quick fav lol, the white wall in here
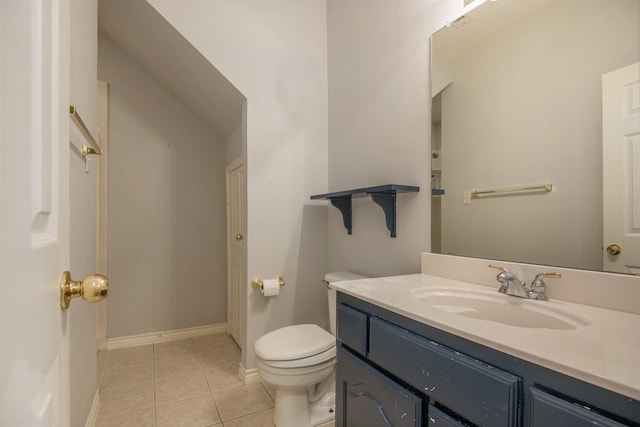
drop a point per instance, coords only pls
(275, 54)
(233, 146)
(167, 254)
(82, 315)
(379, 127)
(554, 123)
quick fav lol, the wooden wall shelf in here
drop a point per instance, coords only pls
(383, 195)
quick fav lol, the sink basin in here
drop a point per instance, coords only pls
(492, 306)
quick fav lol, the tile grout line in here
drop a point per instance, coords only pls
(215, 404)
(199, 351)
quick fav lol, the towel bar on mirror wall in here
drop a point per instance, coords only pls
(511, 190)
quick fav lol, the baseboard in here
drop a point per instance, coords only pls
(164, 336)
(93, 413)
(248, 376)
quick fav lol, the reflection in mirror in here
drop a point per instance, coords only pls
(518, 101)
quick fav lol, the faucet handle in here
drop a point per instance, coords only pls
(551, 275)
(538, 287)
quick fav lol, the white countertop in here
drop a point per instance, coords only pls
(604, 352)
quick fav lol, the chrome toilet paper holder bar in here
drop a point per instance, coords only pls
(257, 282)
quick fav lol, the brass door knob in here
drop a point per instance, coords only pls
(92, 289)
(239, 237)
(614, 249)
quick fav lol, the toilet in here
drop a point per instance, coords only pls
(299, 361)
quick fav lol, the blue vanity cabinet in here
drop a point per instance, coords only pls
(369, 398)
(475, 391)
(549, 410)
(395, 371)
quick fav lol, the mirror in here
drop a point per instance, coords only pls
(517, 103)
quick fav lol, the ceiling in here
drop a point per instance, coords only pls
(138, 29)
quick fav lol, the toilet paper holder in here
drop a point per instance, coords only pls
(257, 282)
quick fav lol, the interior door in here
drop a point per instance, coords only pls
(621, 169)
(235, 249)
(34, 210)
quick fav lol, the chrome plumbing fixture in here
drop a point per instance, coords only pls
(511, 285)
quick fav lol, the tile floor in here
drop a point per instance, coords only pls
(186, 383)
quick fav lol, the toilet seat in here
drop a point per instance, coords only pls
(297, 345)
(304, 362)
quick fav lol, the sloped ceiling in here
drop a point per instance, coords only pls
(145, 35)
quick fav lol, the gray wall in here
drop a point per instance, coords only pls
(167, 225)
(275, 53)
(379, 127)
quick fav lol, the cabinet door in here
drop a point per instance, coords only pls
(550, 411)
(483, 394)
(365, 397)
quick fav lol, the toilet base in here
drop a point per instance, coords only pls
(293, 408)
(324, 410)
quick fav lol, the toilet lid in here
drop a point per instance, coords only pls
(293, 342)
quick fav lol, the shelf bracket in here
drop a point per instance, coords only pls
(387, 201)
(344, 206)
(383, 195)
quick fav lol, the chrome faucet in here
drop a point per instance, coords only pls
(511, 285)
(539, 288)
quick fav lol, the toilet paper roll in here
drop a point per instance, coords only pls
(270, 287)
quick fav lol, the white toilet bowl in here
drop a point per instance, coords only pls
(300, 361)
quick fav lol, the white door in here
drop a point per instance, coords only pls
(34, 212)
(621, 169)
(235, 249)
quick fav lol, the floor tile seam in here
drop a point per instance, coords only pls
(228, 388)
(114, 369)
(110, 414)
(127, 361)
(232, 363)
(169, 348)
(184, 398)
(181, 375)
(190, 356)
(251, 412)
(224, 388)
(127, 386)
(217, 350)
(215, 405)
(128, 381)
(201, 371)
(257, 411)
(119, 414)
(169, 355)
(209, 385)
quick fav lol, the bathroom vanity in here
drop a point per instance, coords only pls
(404, 362)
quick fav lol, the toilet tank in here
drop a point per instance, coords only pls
(337, 276)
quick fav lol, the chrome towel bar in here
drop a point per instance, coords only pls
(499, 191)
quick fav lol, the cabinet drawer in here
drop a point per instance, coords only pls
(365, 397)
(478, 392)
(549, 411)
(440, 419)
(353, 328)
